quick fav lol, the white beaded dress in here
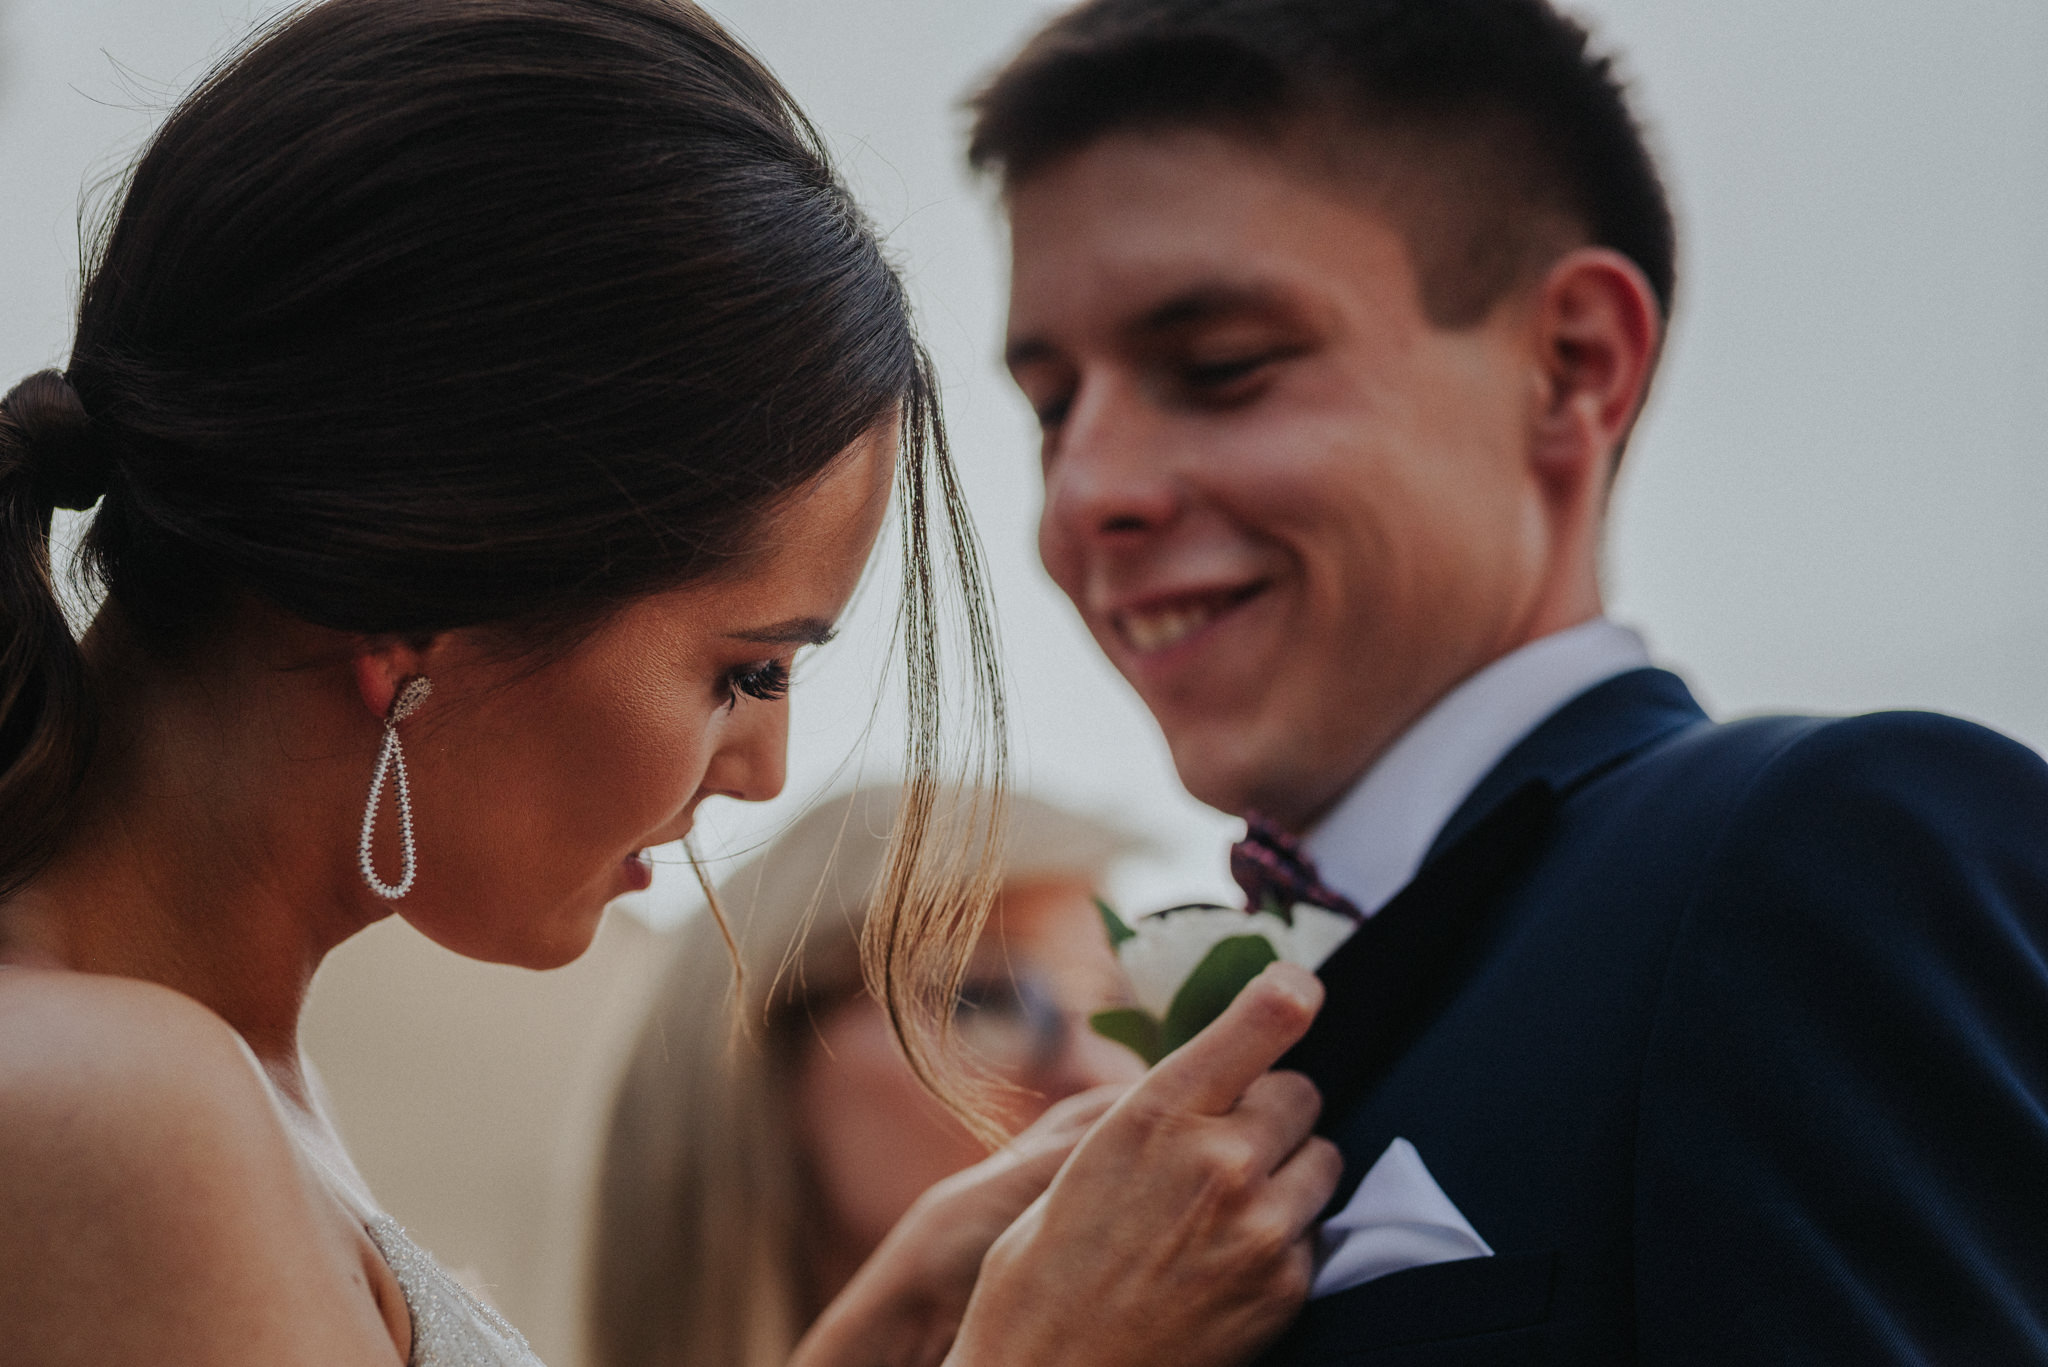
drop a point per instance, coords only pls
(450, 1327)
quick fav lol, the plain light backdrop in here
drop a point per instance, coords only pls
(1838, 500)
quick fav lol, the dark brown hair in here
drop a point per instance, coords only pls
(1493, 120)
(421, 315)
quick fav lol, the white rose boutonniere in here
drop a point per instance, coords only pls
(1186, 964)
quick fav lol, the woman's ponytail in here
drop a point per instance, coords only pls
(47, 461)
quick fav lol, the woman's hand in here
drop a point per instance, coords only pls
(905, 1304)
(1178, 1231)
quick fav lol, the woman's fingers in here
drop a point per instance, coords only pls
(1005, 1182)
(1211, 1071)
(1075, 1114)
(1278, 1111)
(1303, 1184)
(1177, 1229)
(1046, 1142)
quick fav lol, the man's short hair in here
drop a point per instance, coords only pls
(1489, 130)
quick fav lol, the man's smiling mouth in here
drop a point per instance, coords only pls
(1164, 623)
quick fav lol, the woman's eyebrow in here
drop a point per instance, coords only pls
(797, 631)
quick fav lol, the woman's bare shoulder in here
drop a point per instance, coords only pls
(163, 1200)
(115, 1059)
(55, 1021)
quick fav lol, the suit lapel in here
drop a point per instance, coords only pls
(1389, 979)
(1589, 735)
(1384, 981)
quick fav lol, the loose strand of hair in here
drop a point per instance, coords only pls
(921, 937)
(741, 1031)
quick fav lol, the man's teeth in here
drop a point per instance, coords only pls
(1150, 631)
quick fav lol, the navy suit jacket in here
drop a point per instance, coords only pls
(1731, 1040)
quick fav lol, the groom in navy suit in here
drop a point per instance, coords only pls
(1659, 1040)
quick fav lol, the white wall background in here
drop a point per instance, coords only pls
(1838, 501)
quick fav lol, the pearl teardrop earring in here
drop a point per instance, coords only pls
(391, 761)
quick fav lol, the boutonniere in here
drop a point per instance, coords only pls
(1187, 963)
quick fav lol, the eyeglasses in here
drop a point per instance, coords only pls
(1013, 1023)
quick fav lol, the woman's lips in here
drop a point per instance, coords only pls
(639, 871)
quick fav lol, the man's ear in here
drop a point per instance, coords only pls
(1598, 331)
(383, 665)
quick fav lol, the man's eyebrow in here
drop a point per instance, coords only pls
(1208, 303)
(1191, 308)
(797, 631)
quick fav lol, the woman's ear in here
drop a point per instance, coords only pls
(1599, 329)
(382, 665)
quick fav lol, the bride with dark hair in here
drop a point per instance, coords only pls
(481, 402)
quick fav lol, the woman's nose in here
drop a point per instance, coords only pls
(1085, 1061)
(752, 762)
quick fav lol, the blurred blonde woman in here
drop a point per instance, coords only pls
(744, 1182)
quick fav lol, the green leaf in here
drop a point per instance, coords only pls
(1114, 924)
(1132, 1028)
(1214, 984)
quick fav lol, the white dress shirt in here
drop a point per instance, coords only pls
(1373, 842)
(1369, 847)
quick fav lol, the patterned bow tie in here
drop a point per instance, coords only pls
(1274, 873)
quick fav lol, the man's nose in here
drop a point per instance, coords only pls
(1110, 470)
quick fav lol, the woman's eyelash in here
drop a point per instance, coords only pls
(767, 682)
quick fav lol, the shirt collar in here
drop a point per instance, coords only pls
(1374, 840)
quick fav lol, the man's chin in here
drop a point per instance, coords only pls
(1224, 772)
(1227, 779)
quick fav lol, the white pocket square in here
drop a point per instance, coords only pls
(1398, 1218)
